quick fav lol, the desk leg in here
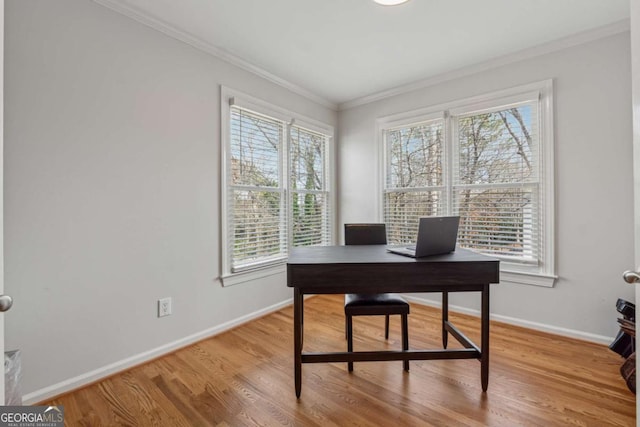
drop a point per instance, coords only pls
(445, 318)
(484, 358)
(297, 339)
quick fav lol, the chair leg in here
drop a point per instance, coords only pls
(350, 340)
(345, 327)
(405, 338)
(386, 327)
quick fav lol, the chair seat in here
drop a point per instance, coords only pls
(375, 304)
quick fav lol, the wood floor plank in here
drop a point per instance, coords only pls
(245, 377)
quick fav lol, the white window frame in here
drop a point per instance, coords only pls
(544, 273)
(231, 97)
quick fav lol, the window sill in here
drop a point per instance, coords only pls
(522, 278)
(254, 274)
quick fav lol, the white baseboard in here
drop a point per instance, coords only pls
(121, 365)
(571, 333)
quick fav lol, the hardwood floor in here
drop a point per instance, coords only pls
(245, 377)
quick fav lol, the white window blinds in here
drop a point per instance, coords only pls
(415, 180)
(276, 186)
(497, 182)
(257, 208)
(310, 203)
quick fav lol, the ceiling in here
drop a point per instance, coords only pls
(343, 50)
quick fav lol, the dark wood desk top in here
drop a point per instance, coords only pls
(371, 269)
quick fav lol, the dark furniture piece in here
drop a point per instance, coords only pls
(370, 268)
(373, 304)
(625, 342)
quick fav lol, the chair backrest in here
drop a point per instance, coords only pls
(365, 234)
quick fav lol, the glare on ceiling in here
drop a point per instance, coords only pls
(390, 2)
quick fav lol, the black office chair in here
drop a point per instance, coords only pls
(372, 304)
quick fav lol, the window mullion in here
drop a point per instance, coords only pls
(450, 158)
(287, 218)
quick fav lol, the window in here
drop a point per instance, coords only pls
(308, 183)
(415, 178)
(276, 191)
(496, 181)
(256, 191)
(489, 160)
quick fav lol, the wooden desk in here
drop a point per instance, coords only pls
(371, 269)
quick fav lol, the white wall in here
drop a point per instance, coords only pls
(594, 220)
(112, 188)
(112, 136)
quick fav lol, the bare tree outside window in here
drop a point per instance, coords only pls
(309, 196)
(493, 183)
(414, 186)
(257, 198)
(277, 191)
(496, 185)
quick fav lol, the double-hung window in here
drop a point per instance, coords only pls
(489, 160)
(276, 185)
(309, 216)
(415, 185)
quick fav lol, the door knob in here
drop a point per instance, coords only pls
(5, 302)
(631, 277)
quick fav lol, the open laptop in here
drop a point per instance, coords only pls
(436, 235)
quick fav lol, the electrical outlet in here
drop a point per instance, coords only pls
(164, 307)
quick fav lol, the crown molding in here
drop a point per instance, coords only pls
(185, 37)
(550, 47)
